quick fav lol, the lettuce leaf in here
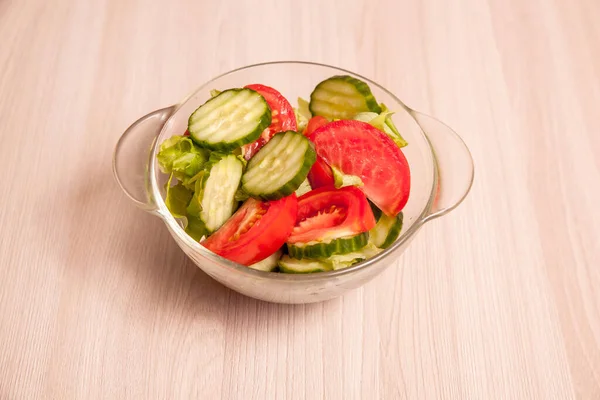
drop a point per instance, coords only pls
(302, 114)
(195, 228)
(340, 179)
(384, 123)
(304, 188)
(180, 157)
(303, 108)
(390, 124)
(177, 199)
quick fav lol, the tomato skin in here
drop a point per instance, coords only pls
(329, 213)
(320, 174)
(186, 133)
(257, 230)
(357, 148)
(315, 123)
(283, 118)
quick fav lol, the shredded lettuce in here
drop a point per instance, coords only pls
(303, 108)
(177, 199)
(384, 123)
(304, 188)
(301, 121)
(340, 179)
(180, 157)
(302, 114)
(390, 123)
(195, 228)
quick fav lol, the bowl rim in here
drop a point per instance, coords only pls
(176, 228)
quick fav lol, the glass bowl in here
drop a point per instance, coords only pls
(441, 176)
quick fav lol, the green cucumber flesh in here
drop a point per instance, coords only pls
(279, 167)
(288, 264)
(229, 120)
(291, 265)
(268, 264)
(342, 97)
(317, 249)
(386, 231)
(346, 260)
(219, 186)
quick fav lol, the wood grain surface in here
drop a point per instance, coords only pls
(498, 300)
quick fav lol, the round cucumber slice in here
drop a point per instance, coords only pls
(268, 264)
(229, 120)
(342, 97)
(216, 192)
(386, 231)
(280, 167)
(326, 249)
(291, 265)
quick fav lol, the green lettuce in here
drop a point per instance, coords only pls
(384, 123)
(302, 114)
(340, 179)
(180, 157)
(304, 188)
(177, 199)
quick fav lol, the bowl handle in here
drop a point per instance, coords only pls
(132, 157)
(454, 164)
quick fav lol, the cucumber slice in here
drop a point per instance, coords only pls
(376, 211)
(346, 260)
(386, 231)
(291, 265)
(229, 120)
(342, 97)
(328, 248)
(217, 188)
(268, 264)
(280, 167)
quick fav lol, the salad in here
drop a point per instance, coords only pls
(295, 190)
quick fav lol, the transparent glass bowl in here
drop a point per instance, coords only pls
(441, 176)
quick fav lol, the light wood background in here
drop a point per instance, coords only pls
(498, 300)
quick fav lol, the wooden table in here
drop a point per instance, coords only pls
(498, 300)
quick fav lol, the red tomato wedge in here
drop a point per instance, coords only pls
(357, 148)
(257, 230)
(315, 123)
(320, 174)
(330, 213)
(283, 118)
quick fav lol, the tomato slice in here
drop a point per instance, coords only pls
(357, 148)
(320, 174)
(257, 230)
(283, 118)
(315, 123)
(330, 213)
